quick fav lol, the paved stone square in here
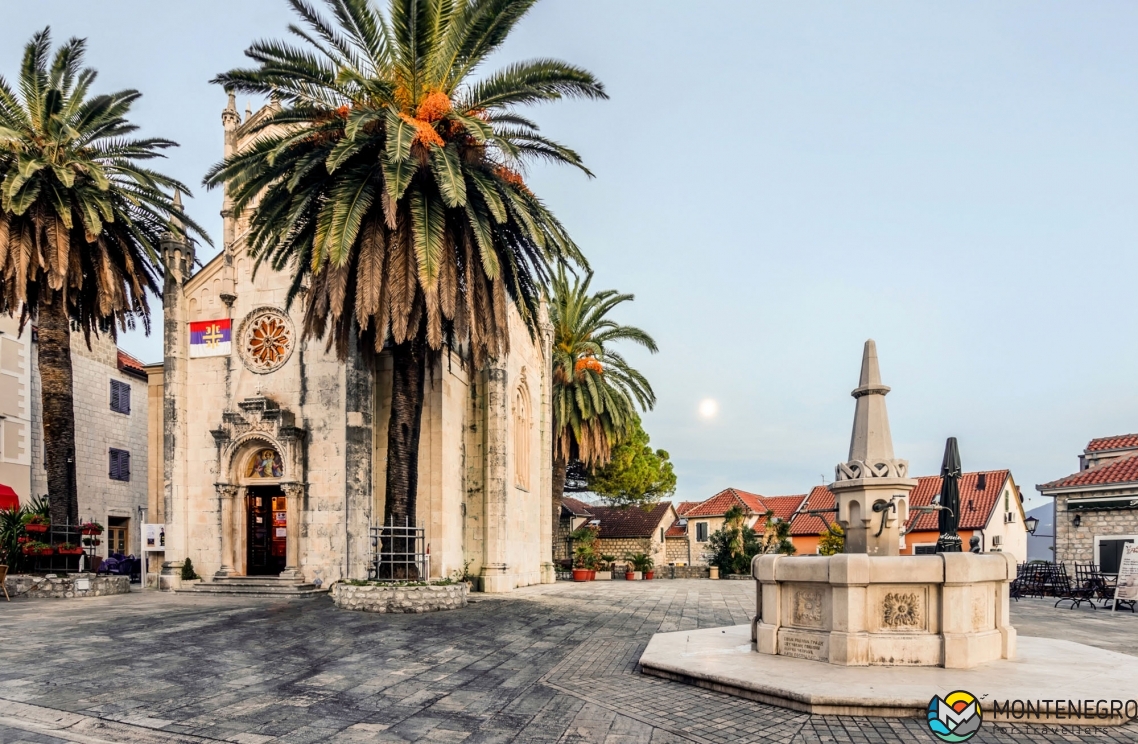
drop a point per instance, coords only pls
(554, 663)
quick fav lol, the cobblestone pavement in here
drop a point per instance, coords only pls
(545, 664)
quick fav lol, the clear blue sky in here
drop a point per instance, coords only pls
(777, 182)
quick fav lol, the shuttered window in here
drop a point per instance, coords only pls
(120, 465)
(120, 397)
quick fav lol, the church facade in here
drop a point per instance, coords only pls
(273, 451)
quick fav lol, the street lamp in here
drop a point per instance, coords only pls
(1031, 523)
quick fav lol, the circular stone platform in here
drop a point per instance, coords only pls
(379, 597)
(722, 659)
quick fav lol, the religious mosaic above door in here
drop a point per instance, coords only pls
(265, 463)
(266, 340)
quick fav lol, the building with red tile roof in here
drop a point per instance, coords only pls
(1096, 508)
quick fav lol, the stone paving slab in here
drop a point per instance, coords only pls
(723, 659)
(555, 663)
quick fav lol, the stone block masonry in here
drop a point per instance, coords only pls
(395, 598)
(71, 586)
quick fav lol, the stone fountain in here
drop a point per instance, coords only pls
(870, 632)
(870, 606)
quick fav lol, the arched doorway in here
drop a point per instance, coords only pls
(266, 514)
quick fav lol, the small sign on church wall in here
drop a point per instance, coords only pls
(210, 338)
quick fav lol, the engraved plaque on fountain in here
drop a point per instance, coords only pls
(804, 644)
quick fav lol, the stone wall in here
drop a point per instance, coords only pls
(624, 547)
(97, 430)
(676, 549)
(406, 599)
(66, 586)
(1077, 544)
(683, 572)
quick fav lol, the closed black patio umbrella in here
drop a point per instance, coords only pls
(949, 514)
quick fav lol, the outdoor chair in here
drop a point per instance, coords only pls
(1081, 591)
(3, 577)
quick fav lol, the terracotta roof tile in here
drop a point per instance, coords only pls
(127, 363)
(784, 507)
(677, 530)
(718, 504)
(575, 507)
(685, 506)
(1122, 441)
(975, 505)
(631, 521)
(813, 524)
(1123, 470)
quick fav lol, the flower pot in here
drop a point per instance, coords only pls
(715, 572)
(592, 575)
(70, 551)
(648, 575)
(35, 528)
(633, 576)
(604, 576)
(580, 574)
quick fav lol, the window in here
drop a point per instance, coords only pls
(118, 535)
(1007, 502)
(661, 534)
(120, 465)
(701, 531)
(521, 436)
(120, 397)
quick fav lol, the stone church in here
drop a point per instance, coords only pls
(272, 459)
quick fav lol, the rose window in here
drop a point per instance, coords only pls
(267, 341)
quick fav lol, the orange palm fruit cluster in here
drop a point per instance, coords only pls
(424, 132)
(434, 107)
(589, 363)
(510, 176)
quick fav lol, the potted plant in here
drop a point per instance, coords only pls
(69, 549)
(91, 541)
(36, 523)
(37, 548)
(91, 528)
(604, 569)
(642, 564)
(584, 563)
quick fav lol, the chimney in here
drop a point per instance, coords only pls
(981, 481)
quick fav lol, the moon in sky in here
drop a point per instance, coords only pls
(708, 407)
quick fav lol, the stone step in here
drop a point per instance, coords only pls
(258, 586)
(237, 590)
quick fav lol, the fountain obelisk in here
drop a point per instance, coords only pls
(872, 487)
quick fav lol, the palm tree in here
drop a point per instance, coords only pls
(595, 391)
(388, 180)
(80, 224)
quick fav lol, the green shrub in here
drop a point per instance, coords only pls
(188, 572)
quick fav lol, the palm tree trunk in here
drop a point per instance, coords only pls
(560, 465)
(407, 393)
(54, 353)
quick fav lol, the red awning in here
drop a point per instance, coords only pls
(8, 498)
